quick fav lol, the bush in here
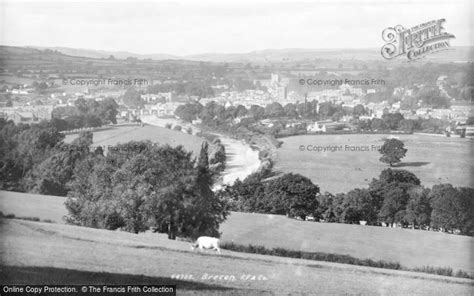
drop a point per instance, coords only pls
(338, 258)
(462, 274)
(281, 252)
(177, 128)
(35, 219)
(446, 271)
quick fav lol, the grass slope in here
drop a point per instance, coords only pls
(74, 254)
(410, 248)
(433, 159)
(162, 136)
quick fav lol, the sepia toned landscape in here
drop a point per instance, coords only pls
(237, 148)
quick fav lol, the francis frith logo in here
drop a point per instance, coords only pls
(415, 42)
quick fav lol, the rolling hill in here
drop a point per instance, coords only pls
(43, 253)
(411, 248)
(459, 53)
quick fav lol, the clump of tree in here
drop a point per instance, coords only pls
(291, 194)
(132, 98)
(85, 113)
(393, 150)
(22, 148)
(396, 197)
(157, 186)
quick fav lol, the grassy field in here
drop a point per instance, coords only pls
(124, 134)
(433, 159)
(410, 248)
(80, 255)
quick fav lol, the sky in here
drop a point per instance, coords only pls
(195, 27)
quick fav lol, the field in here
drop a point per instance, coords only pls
(411, 248)
(79, 255)
(124, 134)
(433, 159)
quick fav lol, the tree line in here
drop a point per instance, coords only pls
(239, 119)
(85, 113)
(137, 186)
(395, 197)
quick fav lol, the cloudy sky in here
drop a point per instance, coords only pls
(192, 27)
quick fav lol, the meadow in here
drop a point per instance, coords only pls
(433, 159)
(79, 255)
(162, 136)
(410, 248)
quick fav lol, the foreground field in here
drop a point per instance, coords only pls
(79, 255)
(433, 159)
(411, 248)
(162, 136)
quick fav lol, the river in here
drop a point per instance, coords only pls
(241, 159)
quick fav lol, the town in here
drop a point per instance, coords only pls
(441, 105)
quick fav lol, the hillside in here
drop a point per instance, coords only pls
(159, 135)
(79, 255)
(460, 53)
(411, 248)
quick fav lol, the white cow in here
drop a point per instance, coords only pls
(207, 242)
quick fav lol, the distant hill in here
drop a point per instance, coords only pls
(456, 54)
(101, 54)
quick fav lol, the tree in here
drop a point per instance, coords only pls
(291, 194)
(257, 112)
(81, 105)
(359, 110)
(141, 185)
(359, 205)
(290, 110)
(398, 176)
(377, 124)
(188, 112)
(453, 208)
(395, 198)
(248, 195)
(390, 194)
(132, 98)
(392, 120)
(466, 213)
(393, 150)
(210, 210)
(418, 209)
(241, 111)
(407, 125)
(444, 200)
(108, 110)
(274, 110)
(329, 207)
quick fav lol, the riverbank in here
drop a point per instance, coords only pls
(241, 159)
